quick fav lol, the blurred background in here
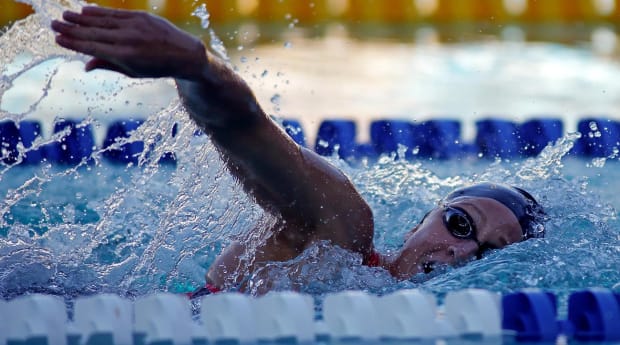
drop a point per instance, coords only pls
(409, 59)
(454, 20)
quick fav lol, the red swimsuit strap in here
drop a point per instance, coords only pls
(373, 260)
(212, 288)
(205, 290)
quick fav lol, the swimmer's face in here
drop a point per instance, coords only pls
(456, 232)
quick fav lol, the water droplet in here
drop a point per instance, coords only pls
(275, 99)
(202, 14)
(243, 59)
(218, 46)
(264, 74)
(599, 162)
(288, 44)
(593, 126)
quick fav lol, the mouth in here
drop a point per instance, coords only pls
(428, 267)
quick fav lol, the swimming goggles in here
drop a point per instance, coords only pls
(460, 225)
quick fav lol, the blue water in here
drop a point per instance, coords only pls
(100, 227)
(138, 232)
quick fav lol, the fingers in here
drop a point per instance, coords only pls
(88, 33)
(97, 63)
(97, 49)
(84, 20)
(99, 16)
(107, 12)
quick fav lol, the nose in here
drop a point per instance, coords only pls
(462, 251)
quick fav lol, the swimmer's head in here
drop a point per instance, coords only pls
(521, 203)
(466, 224)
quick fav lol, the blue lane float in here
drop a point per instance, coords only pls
(439, 138)
(386, 136)
(595, 315)
(30, 131)
(9, 135)
(336, 136)
(600, 137)
(290, 317)
(531, 315)
(497, 138)
(294, 129)
(74, 147)
(25, 133)
(536, 134)
(433, 139)
(128, 152)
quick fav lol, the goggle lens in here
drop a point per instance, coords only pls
(459, 223)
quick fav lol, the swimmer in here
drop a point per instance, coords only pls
(311, 199)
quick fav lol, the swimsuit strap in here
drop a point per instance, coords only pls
(203, 291)
(373, 260)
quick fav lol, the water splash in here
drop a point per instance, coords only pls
(581, 228)
(153, 227)
(216, 44)
(142, 228)
(201, 13)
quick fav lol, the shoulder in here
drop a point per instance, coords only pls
(345, 217)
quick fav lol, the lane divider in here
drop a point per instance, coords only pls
(433, 139)
(77, 142)
(531, 315)
(600, 137)
(128, 152)
(102, 319)
(528, 315)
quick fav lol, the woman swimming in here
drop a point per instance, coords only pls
(311, 199)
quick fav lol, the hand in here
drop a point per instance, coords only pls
(134, 43)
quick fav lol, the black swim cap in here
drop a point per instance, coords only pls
(528, 211)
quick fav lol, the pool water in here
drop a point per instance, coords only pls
(133, 230)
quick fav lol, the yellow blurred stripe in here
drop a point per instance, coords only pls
(382, 11)
(560, 10)
(273, 10)
(361, 11)
(467, 10)
(180, 11)
(310, 11)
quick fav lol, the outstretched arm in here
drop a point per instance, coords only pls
(284, 178)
